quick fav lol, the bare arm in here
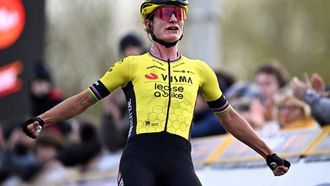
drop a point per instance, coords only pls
(241, 129)
(69, 108)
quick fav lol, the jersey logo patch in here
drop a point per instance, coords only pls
(151, 76)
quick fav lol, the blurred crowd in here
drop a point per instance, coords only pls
(271, 102)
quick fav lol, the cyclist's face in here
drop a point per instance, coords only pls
(168, 23)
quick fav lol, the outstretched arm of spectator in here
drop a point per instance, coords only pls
(69, 108)
(319, 104)
(241, 129)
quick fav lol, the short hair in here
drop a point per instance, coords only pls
(273, 67)
(40, 71)
(129, 40)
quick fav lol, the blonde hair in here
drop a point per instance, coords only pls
(286, 95)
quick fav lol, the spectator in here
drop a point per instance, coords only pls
(270, 78)
(291, 113)
(244, 97)
(241, 89)
(250, 109)
(44, 95)
(84, 153)
(205, 123)
(131, 45)
(314, 93)
(18, 162)
(47, 148)
(225, 79)
(114, 123)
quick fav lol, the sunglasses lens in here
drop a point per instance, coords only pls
(165, 13)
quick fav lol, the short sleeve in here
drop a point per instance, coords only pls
(117, 76)
(211, 91)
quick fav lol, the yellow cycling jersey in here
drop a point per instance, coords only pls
(161, 95)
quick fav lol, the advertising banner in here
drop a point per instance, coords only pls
(22, 25)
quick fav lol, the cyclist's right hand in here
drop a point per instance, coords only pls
(33, 126)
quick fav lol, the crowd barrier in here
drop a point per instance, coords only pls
(224, 152)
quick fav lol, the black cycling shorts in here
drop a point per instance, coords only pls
(157, 159)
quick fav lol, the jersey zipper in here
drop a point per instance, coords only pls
(169, 94)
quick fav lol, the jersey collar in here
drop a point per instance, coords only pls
(165, 59)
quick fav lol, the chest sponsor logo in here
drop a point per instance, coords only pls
(163, 91)
(166, 78)
(178, 79)
(151, 76)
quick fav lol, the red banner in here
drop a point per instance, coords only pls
(12, 22)
(10, 82)
(22, 24)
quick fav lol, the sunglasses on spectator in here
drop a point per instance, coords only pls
(166, 12)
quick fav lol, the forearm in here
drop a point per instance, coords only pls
(68, 108)
(240, 128)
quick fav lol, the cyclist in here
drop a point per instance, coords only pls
(161, 87)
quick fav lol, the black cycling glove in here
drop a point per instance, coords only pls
(273, 161)
(29, 121)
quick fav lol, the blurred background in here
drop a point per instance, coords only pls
(80, 38)
(71, 44)
(235, 36)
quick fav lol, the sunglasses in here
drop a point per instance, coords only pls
(166, 12)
